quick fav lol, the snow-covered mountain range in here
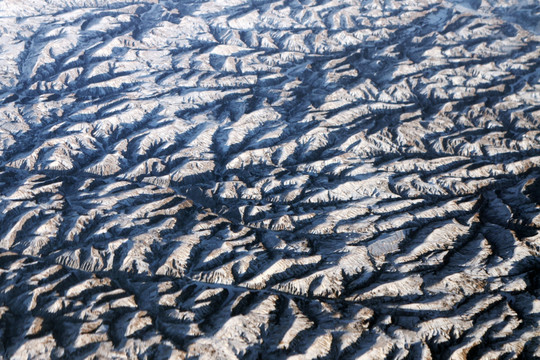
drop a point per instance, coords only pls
(331, 179)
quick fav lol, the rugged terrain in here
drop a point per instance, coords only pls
(270, 179)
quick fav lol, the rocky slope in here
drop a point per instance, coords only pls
(269, 179)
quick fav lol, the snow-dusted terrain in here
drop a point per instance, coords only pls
(296, 179)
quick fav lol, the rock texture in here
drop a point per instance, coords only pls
(269, 179)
